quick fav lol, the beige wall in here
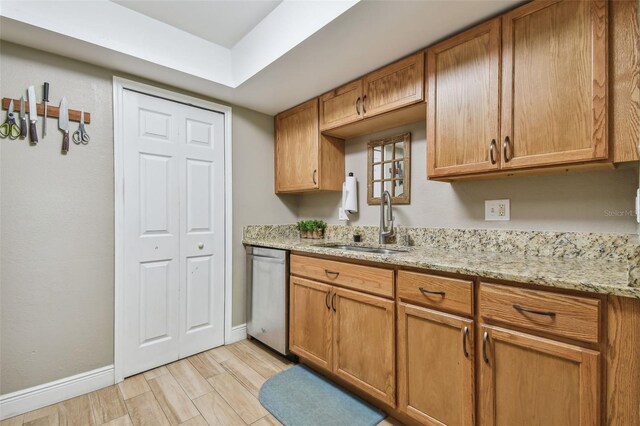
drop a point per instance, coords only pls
(571, 202)
(56, 229)
(57, 223)
(253, 199)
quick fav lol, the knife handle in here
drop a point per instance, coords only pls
(33, 132)
(65, 142)
(46, 92)
(23, 128)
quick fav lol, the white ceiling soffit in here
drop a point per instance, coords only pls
(116, 28)
(222, 22)
(299, 50)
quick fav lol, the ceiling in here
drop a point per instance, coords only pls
(298, 50)
(221, 22)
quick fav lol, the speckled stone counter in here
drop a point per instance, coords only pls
(597, 263)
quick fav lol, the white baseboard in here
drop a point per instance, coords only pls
(238, 332)
(40, 396)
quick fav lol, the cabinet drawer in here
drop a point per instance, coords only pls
(448, 294)
(567, 316)
(369, 279)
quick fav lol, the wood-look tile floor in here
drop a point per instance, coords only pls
(216, 387)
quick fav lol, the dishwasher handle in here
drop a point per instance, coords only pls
(267, 259)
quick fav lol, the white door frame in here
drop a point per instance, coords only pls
(119, 85)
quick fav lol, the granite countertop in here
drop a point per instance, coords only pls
(603, 276)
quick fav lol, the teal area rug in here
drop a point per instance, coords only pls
(301, 397)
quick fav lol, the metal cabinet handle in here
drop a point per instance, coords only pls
(358, 105)
(327, 273)
(333, 302)
(492, 147)
(533, 311)
(425, 291)
(315, 172)
(505, 146)
(326, 300)
(364, 108)
(485, 338)
(465, 334)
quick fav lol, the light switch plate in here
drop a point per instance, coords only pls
(497, 210)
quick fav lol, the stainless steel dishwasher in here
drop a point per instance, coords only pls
(268, 297)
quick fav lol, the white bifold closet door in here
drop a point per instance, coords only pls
(173, 231)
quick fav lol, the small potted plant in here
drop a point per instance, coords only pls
(313, 228)
(318, 228)
(357, 235)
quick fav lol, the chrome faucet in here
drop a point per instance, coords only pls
(385, 229)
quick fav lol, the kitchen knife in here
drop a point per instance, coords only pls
(23, 120)
(45, 99)
(33, 115)
(63, 124)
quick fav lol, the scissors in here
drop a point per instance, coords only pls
(81, 136)
(9, 129)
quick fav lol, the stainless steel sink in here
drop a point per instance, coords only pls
(377, 250)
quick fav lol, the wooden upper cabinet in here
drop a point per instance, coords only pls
(394, 86)
(530, 380)
(435, 366)
(388, 89)
(554, 83)
(297, 151)
(364, 343)
(463, 102)
(341, 106)
(310, 333)
(306, 160)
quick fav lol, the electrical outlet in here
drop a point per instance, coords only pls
(497, 210)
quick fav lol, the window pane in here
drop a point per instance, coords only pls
(377, 171)
(399, 150)
(398, 170)
(388, 170)
(398, 188)
(388, 186)
(388, 152)
(377, 154)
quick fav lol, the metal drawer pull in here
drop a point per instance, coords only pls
(327, 273)
(358, 105)
(533, 311)
(505, 145)
(364, 109)
(492, 147)
(326, 300)
(465, 334)
(485, 338)
(333, 302)
(425, 291)
(315, 172)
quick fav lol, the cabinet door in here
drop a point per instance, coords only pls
(527, 380)
(463, 102)
(341, 106)
(364, 343)
(297, 148)
(394, 86)
(310, 327)
(435, 366)
(554, 85)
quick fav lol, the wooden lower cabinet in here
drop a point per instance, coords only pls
(435, 366)
(364, 343)
(347, 333)
(528, 380)
(311, 330)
